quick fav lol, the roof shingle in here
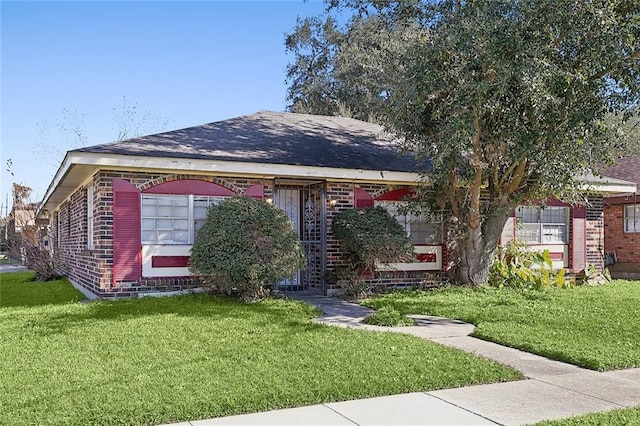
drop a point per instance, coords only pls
(275, 138)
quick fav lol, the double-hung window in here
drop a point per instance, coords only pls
(543, 225)
(173, 219)
(632, 218)
(423, 228)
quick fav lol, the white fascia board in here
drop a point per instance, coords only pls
(264, 170)
(609, 188)
(57, 178)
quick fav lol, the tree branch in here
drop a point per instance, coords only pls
(633, 57)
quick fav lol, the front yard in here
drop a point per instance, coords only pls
(159, 360)
(593, 327)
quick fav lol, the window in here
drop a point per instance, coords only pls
(423, 228)
(90, 217)
(543, 225)
(200, 206)
(632, 218)
(173, 219)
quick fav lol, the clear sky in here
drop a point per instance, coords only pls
(68, 65)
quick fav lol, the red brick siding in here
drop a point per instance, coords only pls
(625, 244)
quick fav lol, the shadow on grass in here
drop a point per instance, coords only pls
(291, 314)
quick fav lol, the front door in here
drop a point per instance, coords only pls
(288, 200)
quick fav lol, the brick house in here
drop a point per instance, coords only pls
(124, 215)
(622, 222)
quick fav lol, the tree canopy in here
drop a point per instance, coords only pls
(508, 100)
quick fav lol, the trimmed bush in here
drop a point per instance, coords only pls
(244, 246)
(368, 237)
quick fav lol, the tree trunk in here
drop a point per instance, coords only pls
(478, 248)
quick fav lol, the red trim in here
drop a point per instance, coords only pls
(169, 261)
(578, 238)
(362, 198)
(402, 194)
(628, 199)
(556, 256)
(549, 202)
(427, 257)
(190, 186)
(255, 191)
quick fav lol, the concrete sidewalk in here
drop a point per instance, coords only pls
(553, 390)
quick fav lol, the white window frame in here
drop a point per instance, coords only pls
(631, 220)
(90, 234)
(411, 217)
(541, 225)
(191, 228)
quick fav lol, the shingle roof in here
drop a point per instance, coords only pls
(275, 138)
(627, 168)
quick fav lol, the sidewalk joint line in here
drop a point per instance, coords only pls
(462, 408)
(581, 393)
(340, 414)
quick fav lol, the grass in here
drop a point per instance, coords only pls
(593, 327)
(387, 316)
(621, 417)
(19, 289)
(160, 360)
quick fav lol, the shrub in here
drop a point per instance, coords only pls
(244, 246)
(387, 316)
(368, 237)
(516, 266)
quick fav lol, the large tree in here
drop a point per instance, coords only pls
(504, 100)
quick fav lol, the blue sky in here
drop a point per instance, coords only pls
(69, 64)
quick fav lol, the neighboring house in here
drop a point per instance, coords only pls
(622, 222)
(124, 215)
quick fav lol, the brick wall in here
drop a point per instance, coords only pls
(595, 232)
(625, 244)
(93, 269)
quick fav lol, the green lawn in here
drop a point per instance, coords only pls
(158, 360)
(621, 417)
(594, 327)
(19, 289)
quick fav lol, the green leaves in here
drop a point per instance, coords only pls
(245, 244)
(503, 98)
(371, 236)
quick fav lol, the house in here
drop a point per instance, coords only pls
(124, 215)
(622, 222)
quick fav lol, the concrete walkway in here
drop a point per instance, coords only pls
(553, 390)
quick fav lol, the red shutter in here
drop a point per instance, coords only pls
(578, 238)
(127, 245)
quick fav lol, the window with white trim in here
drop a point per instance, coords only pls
(632, 218)
(174, 219)
(90, 217)
(423, 228)
(543, 225)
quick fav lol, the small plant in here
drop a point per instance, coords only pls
(591, 276)
(244, 246)
(517, 267)
(388, 316)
